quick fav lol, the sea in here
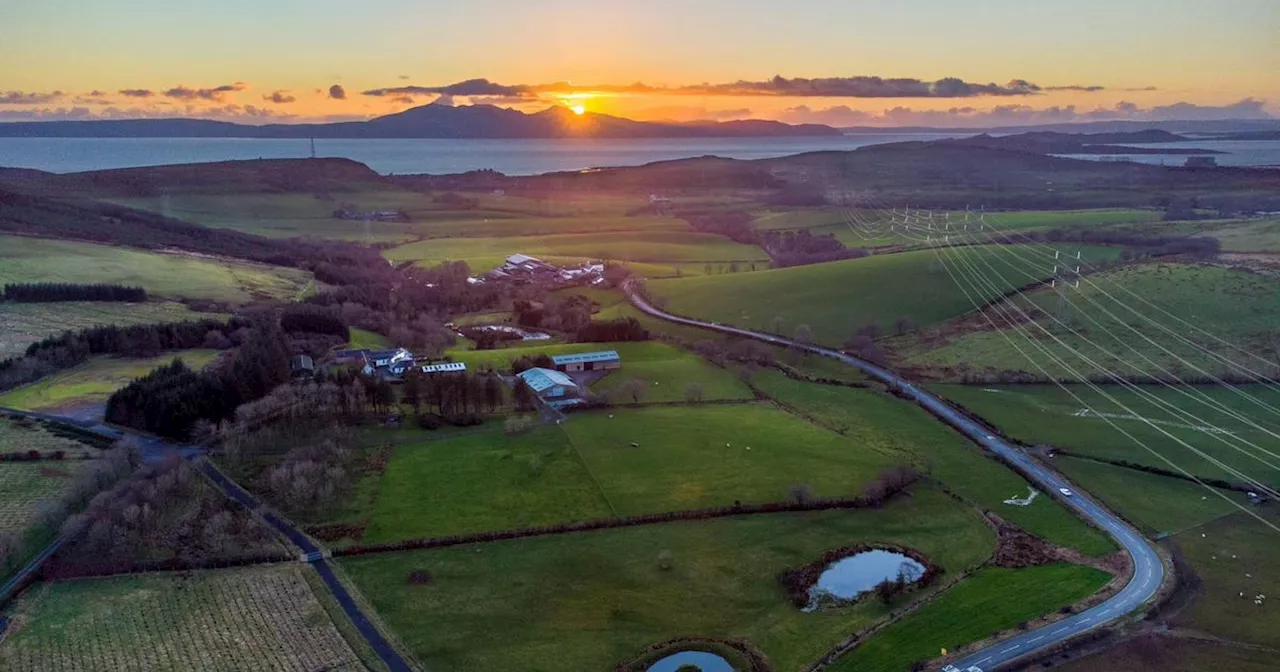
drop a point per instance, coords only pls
(512, 157)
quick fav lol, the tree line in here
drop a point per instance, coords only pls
(785, 248)
(172, 399)
(140, 340)
(46, 292)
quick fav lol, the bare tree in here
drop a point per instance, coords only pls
(633, 389)
(693, 393)
(804, 334)
(801, 493)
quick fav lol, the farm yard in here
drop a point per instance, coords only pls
(22, 324)
(240, 619)
(166, 275)
(589, 601)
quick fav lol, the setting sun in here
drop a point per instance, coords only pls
(578, 109)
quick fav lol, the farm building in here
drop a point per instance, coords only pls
(302, 366)
(388, 364)
(445, 367)
(605, 360)
(549, 385)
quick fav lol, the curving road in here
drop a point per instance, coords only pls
(1148, 572)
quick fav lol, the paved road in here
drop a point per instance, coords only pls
(1148, 571)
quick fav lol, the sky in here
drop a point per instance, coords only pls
(841, 62)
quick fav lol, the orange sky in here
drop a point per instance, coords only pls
(1144, 54)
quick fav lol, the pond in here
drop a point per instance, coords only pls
(850, 577)
(705, 662)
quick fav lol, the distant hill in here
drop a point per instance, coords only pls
(1173, 126)
(223, 177)
(1051, 142)
(427, 121)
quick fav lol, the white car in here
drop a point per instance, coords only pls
(1066, 492)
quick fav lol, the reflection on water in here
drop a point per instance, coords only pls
(852, 576)
(705, 662)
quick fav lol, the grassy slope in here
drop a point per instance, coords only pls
(1237, 306)
(40, 260)
(870, 418)
(95, 380)
(834, 298)
(1047, 414)
(24, 323)
(993, 599)
(589, 601)
(1234, 555)
(1151, 653)
(361, 338)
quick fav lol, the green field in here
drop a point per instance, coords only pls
(1098, 322)
(1234, 555)
(1255, 234)
(484, 481)
(242, 619)
(1157, 504)
(169, 275)
(23, 485)
(835, 298)
(590, 601)
(993, 599)
(877, 420)
(644, 246)
(1047, 414)
(699, 456)
(1050, 219)
(94, 381)
(22, 324)
(688, 457)
(361, 338)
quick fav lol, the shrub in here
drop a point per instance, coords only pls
(420, 577)
(666, 560)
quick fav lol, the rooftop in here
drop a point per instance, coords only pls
(542, 379)
(444, 367)
(584, 357)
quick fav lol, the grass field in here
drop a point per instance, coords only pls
(1255, 234)
(484, 481)
(1046, 414)
(169, 275)
(23, 485)
(688, 457)
(22, 435)
(872, 419)
(361, 338)
(1158, 504)
(1153, 653)
(589, 601)
(697, 456)
(1051, 219)
(1233, 555)
(1237, 306)
(243, 619)
(644, 246)
(835, 298)
(94, 381)
(22, 324)
(993, 599)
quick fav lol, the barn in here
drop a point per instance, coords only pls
(605, 360)
(548, 384)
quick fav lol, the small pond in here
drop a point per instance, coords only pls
(850, 577)
(706, 662)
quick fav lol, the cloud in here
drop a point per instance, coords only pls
(682, 113)
(137, 93)
(402, 76)
(213, 94)
(406, 100)
(1087, 89)
(823, 87)
(28, 97)
(1020, 115)
(337, 92)
(280, 97)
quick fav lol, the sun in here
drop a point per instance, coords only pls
(578, 109)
